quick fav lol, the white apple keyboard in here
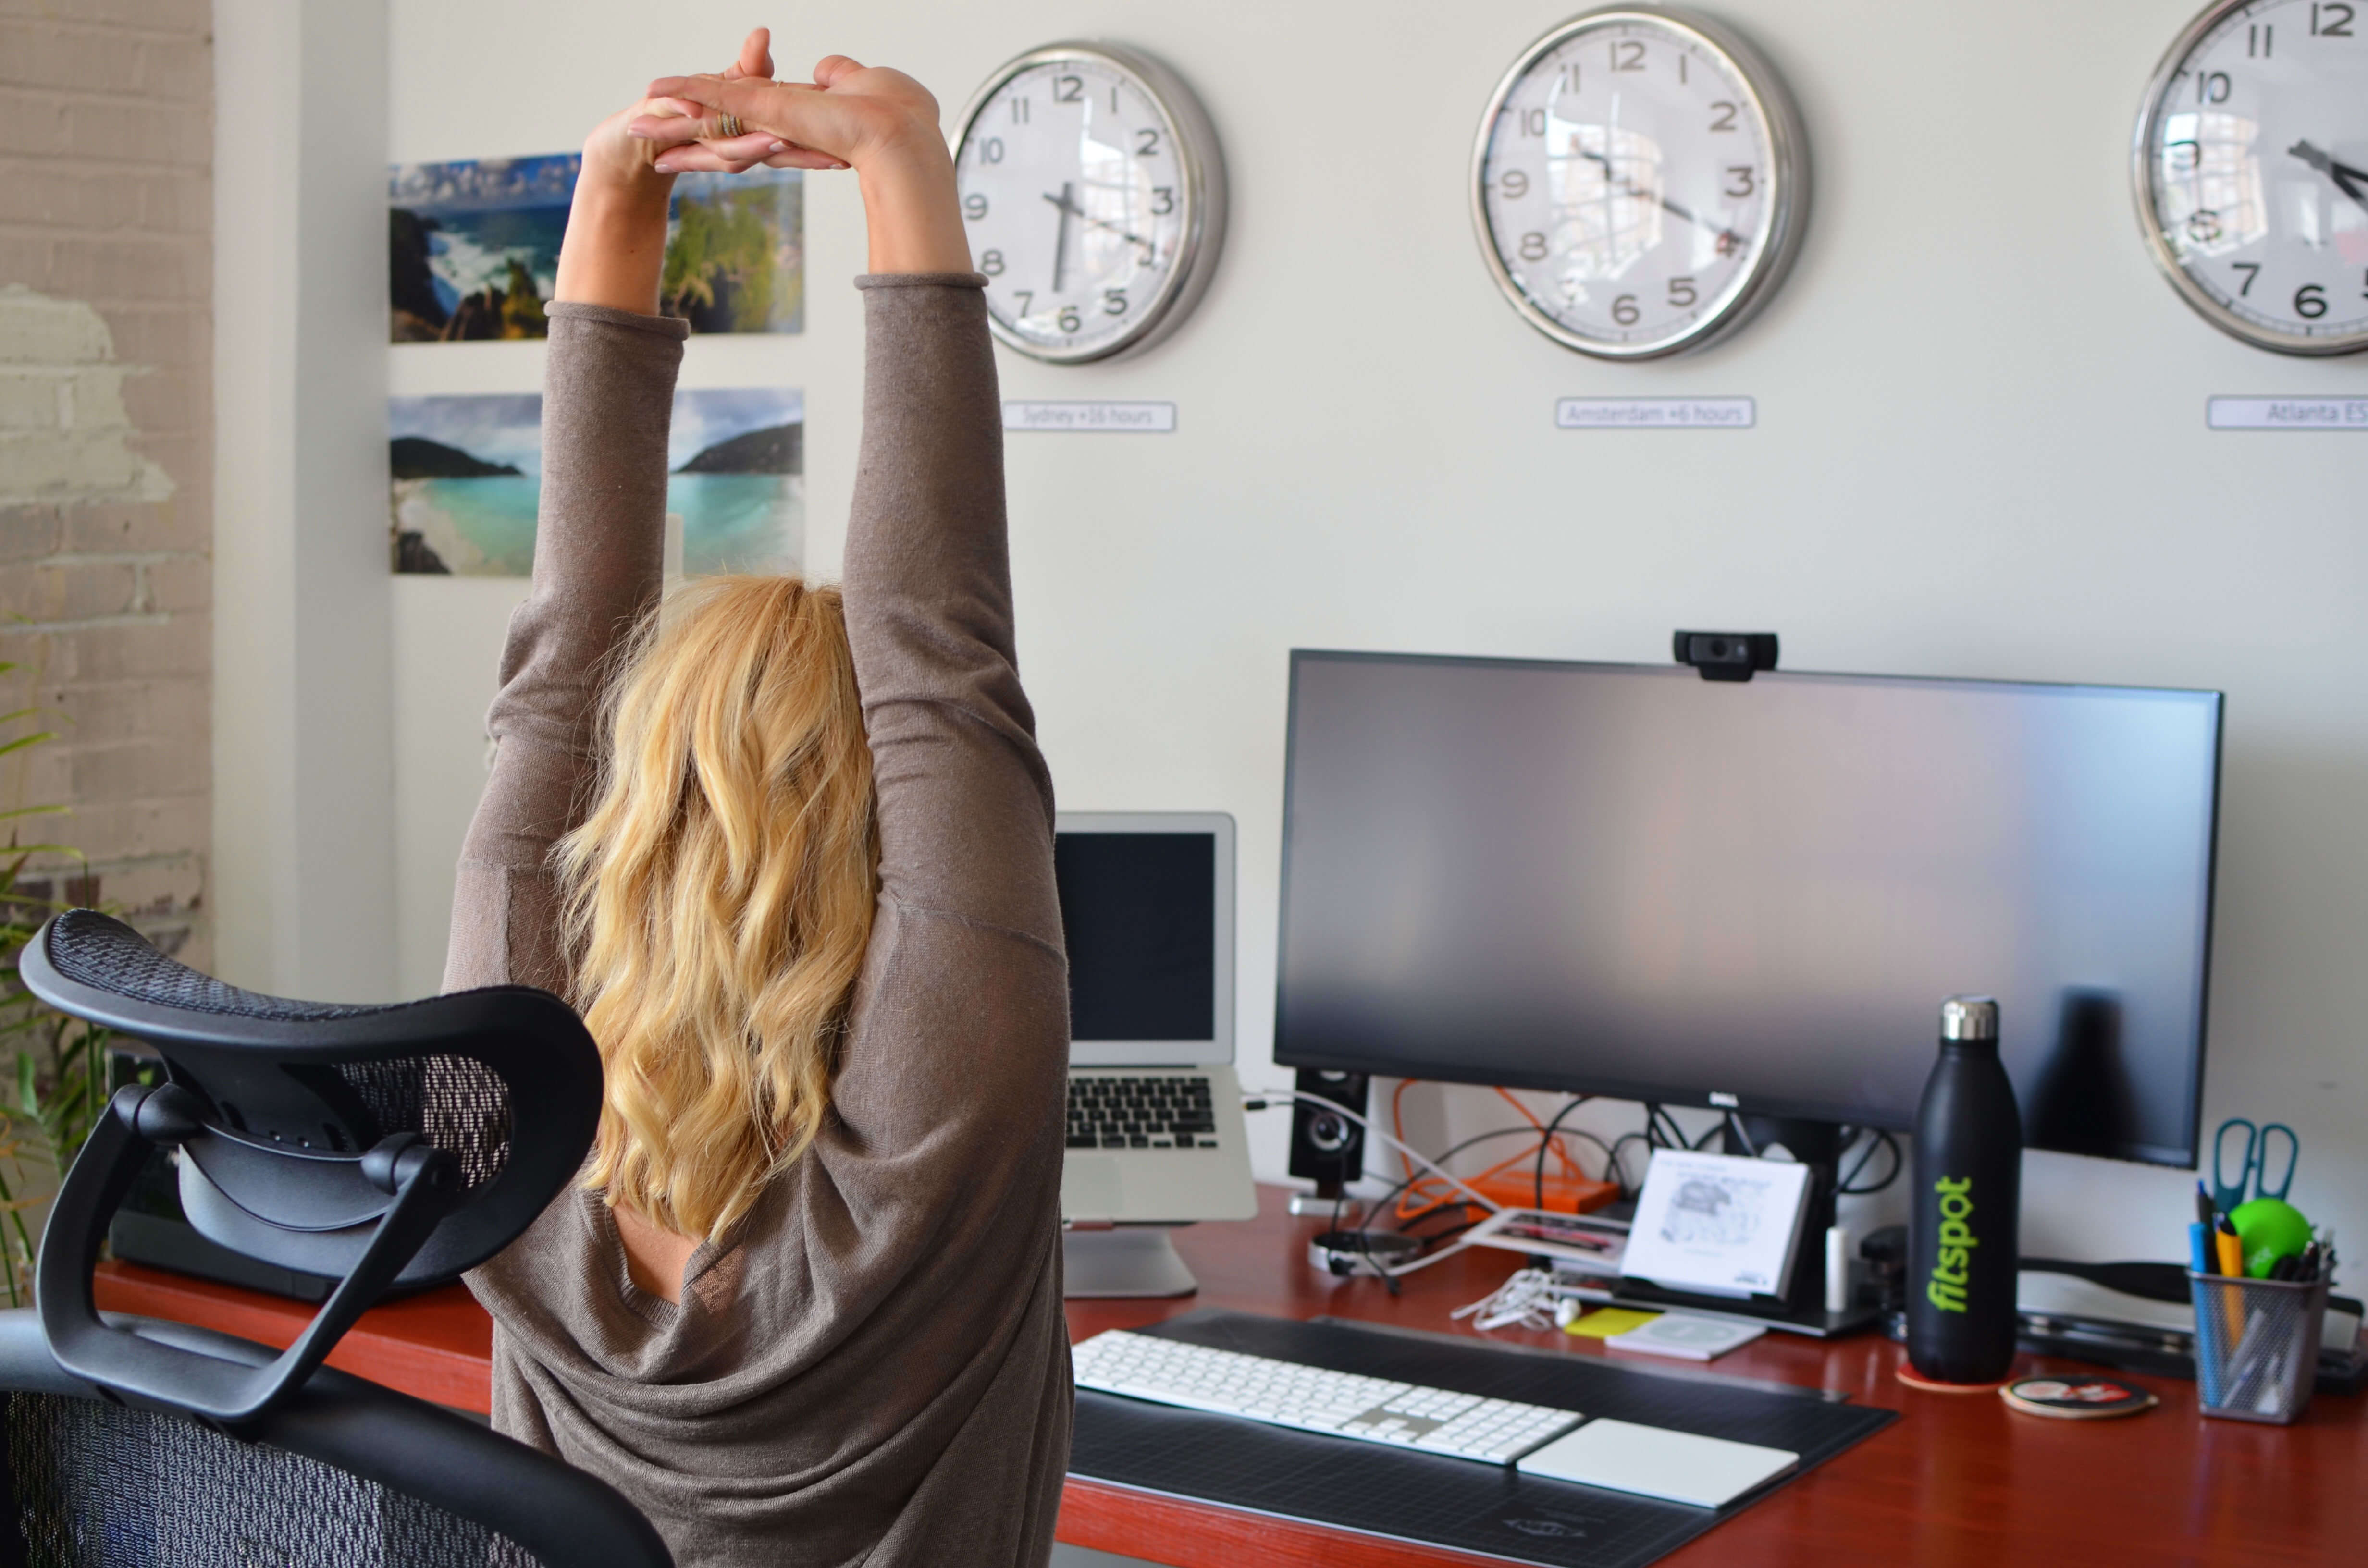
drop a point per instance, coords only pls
(1284, 1393)
(1533, 1438)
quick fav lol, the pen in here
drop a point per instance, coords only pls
(2199, 1248)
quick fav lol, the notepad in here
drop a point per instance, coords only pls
(1653, 1462)
(1687, 1336)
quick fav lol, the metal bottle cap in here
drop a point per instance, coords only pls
(1969, 1017)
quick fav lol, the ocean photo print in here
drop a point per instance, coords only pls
(467, 479)
(474, 248)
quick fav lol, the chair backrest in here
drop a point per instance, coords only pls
(342, 1474)
(380, 1145)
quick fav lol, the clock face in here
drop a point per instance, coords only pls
(2251, 168)
(1638, 183)
(1093, 196)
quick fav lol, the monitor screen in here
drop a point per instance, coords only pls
(1146, 916)
(1628, 881)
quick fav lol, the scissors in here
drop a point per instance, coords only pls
(2254, 1168)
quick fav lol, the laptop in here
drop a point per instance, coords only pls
(1156, 1133)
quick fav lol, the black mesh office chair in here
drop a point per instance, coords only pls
(385, 1147)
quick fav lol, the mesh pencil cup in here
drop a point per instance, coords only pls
(2256, 1345)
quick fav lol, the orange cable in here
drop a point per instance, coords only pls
(1426, 1195)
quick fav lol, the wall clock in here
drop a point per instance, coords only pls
(1095, 196)
(1639, 183)
(2250, 168)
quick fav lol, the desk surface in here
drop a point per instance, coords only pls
(1960, 1480)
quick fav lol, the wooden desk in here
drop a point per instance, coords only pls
(1962, 1480)
(436, 1345)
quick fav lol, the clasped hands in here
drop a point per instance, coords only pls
(849, 115)
(881, 123)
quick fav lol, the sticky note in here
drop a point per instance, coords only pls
(1606, 1322)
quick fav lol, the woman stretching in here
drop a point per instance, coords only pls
(791, 853)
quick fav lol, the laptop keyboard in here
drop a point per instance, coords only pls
(1147, 1111)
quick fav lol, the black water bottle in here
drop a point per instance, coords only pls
(1962, 1243)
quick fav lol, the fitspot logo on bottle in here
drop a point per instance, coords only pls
(1953, 1267)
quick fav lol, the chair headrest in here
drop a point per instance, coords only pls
(292, 1095)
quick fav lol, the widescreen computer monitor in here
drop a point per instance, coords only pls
(1147, 912)
(1628, 881)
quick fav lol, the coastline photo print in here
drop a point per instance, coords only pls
(474, 248)
(467, 476)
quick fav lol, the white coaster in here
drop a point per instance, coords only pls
(1656, 1462)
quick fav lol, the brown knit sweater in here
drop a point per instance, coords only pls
(875, 1369)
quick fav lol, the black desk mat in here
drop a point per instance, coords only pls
(1489, 1509)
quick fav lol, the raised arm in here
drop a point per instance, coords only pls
(600, 533)
(965, 804)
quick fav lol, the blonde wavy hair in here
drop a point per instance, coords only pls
(718, 895)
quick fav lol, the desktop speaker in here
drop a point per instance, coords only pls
(1327, 1148)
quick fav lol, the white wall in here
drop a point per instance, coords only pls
(303, 882)
(1980, 452)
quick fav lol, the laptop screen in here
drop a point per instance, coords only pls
(1140, 915)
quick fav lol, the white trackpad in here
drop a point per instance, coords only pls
(1705, 1471)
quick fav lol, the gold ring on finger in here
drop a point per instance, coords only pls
(729, 125)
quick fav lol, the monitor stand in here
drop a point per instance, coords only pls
(1129, 1260)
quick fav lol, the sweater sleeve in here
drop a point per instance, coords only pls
(599, 558)
(965, 800)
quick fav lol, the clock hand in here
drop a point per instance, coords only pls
(1728, 238)
(1067, 204)
(2351, 182)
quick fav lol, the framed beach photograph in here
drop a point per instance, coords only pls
(736, 479)
(735, 252)
(474, 248)
(467, 477)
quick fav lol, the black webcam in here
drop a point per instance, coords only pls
(1727, 655)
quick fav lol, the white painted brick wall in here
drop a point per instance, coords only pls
(106, 438)
(64, 435)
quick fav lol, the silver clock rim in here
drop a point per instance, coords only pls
(2166, 260)
(1788, 167)
(1199, 157)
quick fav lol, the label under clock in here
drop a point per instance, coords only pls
(2288, 414)
(1080, 416)
(1656, 413)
